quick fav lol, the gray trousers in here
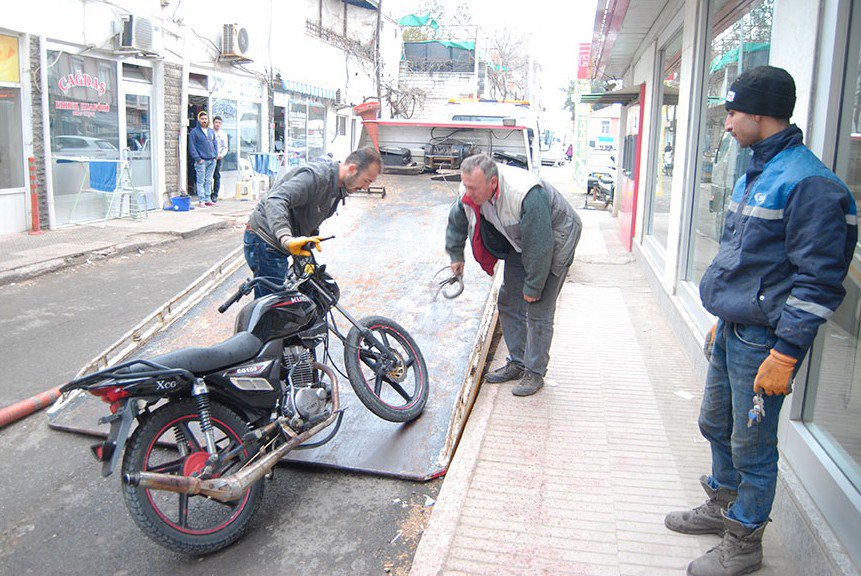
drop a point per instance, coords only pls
(527, 326)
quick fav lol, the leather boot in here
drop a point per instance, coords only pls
(740, 552)
(705, 518)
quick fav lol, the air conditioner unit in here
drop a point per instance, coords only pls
(234, 42)
(139, 35)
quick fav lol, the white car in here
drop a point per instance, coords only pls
(84, 146)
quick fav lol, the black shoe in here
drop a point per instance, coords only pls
(508, 372)
(529, 385)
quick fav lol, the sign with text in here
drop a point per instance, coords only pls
(583, 61)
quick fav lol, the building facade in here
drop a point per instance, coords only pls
(102, 94)
(675, 61)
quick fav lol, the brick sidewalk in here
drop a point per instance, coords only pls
(577, 479)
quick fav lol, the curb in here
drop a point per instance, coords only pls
(37, 269)
(435, 543)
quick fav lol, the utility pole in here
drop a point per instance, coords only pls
(377, 60)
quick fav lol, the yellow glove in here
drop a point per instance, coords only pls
(709, 343)
(774, 374)
(296, 245)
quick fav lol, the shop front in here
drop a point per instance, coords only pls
(13, 165)
(102, 137)
(676, 215)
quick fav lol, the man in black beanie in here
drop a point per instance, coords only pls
(788, 239)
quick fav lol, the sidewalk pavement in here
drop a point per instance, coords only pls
(577, 478)
(24, 256)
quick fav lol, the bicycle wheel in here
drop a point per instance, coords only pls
(394, 388)
(172, 442)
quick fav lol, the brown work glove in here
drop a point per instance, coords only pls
(774, 374)
(296, 245)
(709, 343)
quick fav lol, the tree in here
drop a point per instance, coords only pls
(507, 73)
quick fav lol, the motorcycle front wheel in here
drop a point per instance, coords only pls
(386, 369)
(171, 441)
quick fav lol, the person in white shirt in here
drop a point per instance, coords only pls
(221, 139)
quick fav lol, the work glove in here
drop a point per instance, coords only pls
(709, 343)
(774, 374)
(295, 245)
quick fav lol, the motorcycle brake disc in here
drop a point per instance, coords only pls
(447, 284)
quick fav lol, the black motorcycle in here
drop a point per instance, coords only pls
(213, 422)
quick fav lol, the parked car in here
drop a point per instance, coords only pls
(601, 179)
(84, 146)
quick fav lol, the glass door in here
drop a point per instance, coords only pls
(139, 144)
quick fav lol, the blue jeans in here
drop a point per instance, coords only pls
(743, 459)
(203, 172)
(265, 261)
(527, 327)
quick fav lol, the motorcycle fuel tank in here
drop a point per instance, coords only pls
(277, 315)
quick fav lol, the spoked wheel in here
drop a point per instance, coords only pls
(172, 442)
(387, 369)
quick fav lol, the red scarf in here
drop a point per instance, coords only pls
(484, 258)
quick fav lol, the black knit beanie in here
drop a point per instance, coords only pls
(764, 90)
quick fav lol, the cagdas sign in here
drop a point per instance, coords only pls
(81, 79)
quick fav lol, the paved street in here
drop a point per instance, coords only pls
(60, 516)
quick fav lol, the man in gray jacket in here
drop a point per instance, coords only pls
(510, 214)
(290, 215)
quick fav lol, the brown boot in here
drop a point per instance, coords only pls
(740, 552)
(706, 518)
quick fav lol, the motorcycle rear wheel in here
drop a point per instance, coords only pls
(397, 391)
(171, 441)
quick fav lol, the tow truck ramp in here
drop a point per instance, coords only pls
(384, 257)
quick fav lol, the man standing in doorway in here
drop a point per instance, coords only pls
(221, 141)
(789, 236)
(204, 151)
(289, 217)
(510, 214)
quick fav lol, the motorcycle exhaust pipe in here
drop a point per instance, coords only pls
(232, 487)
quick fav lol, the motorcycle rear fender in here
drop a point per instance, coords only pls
(109, 451)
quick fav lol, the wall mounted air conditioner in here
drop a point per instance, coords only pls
(138, 34)
(234, 43)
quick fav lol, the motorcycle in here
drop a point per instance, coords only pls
(211, 423)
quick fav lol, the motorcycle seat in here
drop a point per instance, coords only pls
(236, 349)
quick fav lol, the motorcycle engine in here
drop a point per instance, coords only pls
(306, 398)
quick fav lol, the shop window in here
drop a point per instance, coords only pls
(297, 141)
(84, 123)
(249, 128)
(342, 125)
(316, 131)
(661, 190)
(832, 399)
(739, 39)
(11, 146)
(227, 110)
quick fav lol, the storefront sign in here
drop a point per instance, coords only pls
(9, 66)
(583, 61)
(234, 88)
(80, 79)
(82, 108)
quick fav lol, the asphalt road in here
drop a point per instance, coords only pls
(59, 516)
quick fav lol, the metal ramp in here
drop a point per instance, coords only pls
(383, 258)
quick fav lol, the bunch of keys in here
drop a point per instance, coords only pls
(757, 413)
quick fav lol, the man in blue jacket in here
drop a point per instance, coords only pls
(204, 150)
(789, 237)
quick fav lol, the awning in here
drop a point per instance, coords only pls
(415, 20)
(369, 4)
(628, 96)
(307, 89)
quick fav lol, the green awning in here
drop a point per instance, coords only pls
(730, 57)
(416, 20)
(462, 44)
